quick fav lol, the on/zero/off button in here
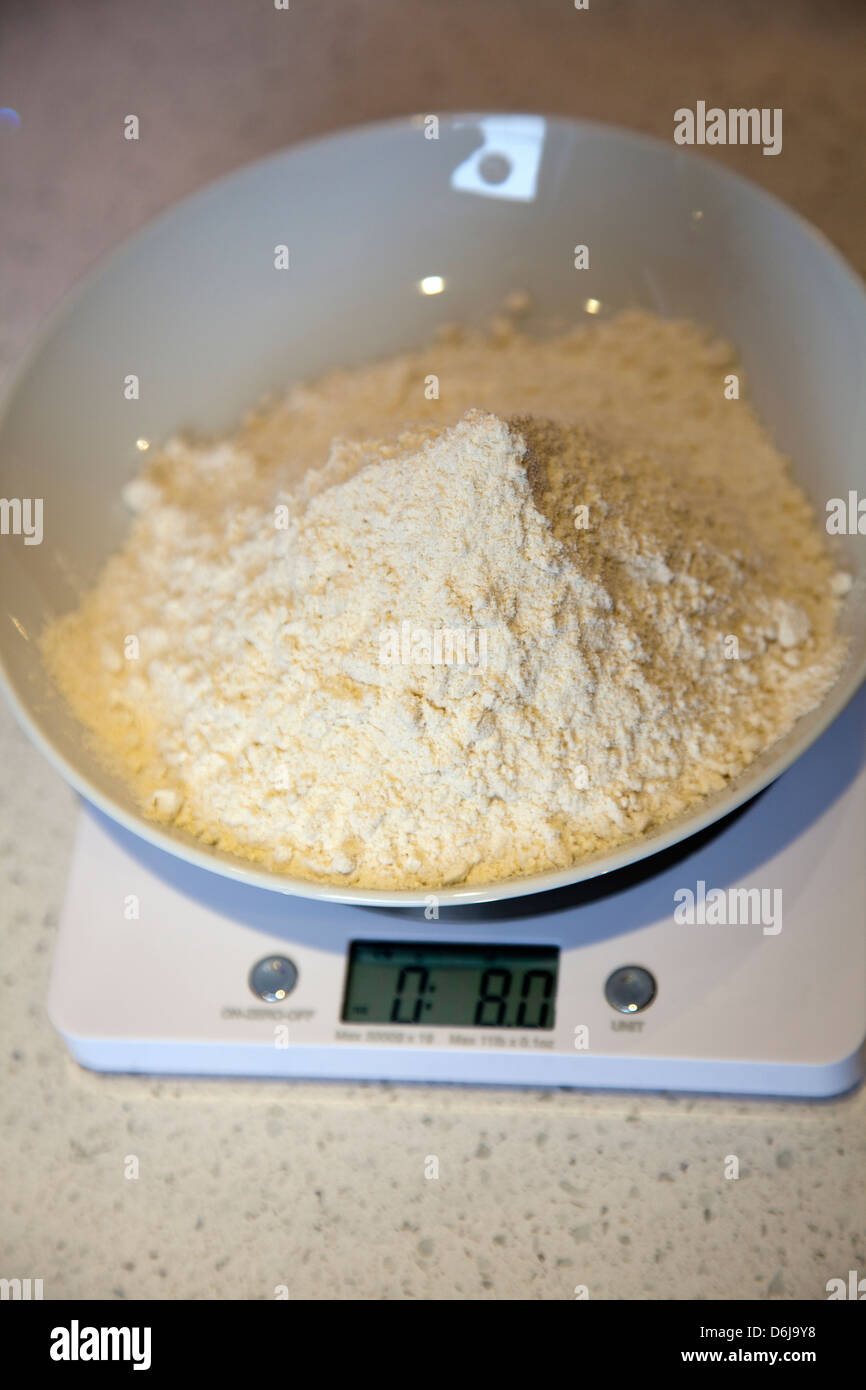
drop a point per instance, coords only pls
(630, 989)
(273, 978)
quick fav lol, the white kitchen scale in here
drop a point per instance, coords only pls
(596, 985)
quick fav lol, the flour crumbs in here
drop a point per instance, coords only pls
(381, 640)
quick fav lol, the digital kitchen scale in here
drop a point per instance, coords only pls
(164, 967)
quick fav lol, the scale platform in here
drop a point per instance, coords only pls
(165, 968)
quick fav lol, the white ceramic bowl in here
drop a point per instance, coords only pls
(194, 308)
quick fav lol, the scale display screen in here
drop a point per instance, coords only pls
(467, 986)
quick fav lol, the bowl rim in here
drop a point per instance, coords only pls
(690, 823)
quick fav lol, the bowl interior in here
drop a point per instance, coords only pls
(195, 309)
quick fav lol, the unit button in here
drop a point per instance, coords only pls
(630, 989)
(273, 978)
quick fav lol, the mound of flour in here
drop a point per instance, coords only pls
(478, 648)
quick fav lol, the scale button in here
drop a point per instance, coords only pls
(273, 978)
(630, 989)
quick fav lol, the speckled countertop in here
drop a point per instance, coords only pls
(246, 1186)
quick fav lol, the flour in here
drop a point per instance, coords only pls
(394, 642)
